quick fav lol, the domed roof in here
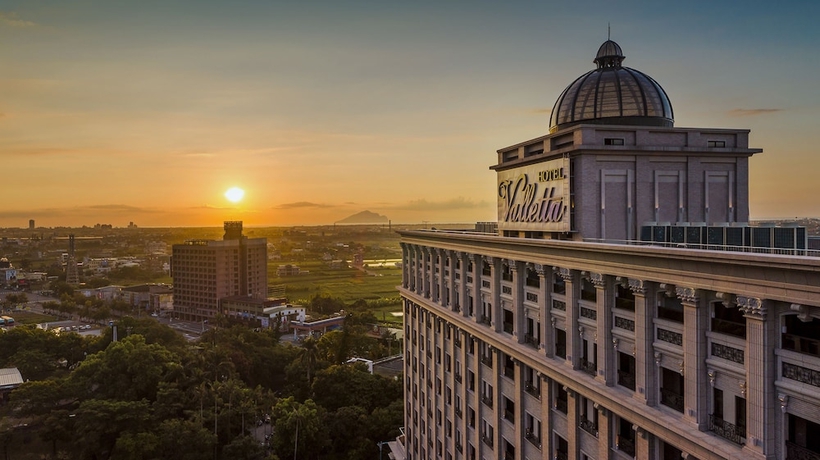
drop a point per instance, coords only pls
(612, 95)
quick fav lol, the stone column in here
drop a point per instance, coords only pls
(462, 287)
(547, 397)
(495, 294)
(545, 307)
(643, 445)
(518, 415)
(573, 443)
(695, 324)
(477, 262)
(426, 263)
(519, 272)
(761, 399)
(413, 267)
(604, 431)
(442, 282)
(607, 365)
(572, 280)
(646, 370)
(450, 294)
(405, 266)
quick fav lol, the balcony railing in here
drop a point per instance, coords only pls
(627, 379)
(508, 328)
(529, 339)
(483, 319)
(530, 388)
(561, 455)
(509, 372)
(671, 399)
(487, 400)
(589, 367)
(458, 378)
(625, 445)
(795, 452)
(487, 361)
(589, 426)
(509, 415)
(726, 430)
(487, 440)
(533, 438)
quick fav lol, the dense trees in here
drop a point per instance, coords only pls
(153, 395)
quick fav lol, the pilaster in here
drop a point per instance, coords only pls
(573, 285)
(695, 324)
(545, 275)
(607, 365)
(760, 372)
(495, 294)
(646, 381)
(518, 269)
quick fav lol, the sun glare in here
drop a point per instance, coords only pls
(234, 194)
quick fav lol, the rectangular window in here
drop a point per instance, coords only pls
(613, 141)
(716, 144)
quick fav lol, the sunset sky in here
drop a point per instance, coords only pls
(148, 111)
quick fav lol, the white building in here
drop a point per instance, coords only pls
(625, 308)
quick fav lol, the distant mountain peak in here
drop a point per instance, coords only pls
(364, 217)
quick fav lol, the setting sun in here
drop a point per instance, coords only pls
(234, 194)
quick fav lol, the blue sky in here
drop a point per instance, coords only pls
(148, 111)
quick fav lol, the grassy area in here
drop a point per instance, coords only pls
(347, 284)
(28, 317)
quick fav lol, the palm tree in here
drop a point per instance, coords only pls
(308, 356)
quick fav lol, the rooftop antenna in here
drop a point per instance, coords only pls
(607, 31)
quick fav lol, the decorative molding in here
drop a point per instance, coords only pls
(802, 312)
(541, 270)
(638, 286)
(668, 289)
(675, 338)
(625, 323)
(658, 358)
(712, 376)
(588, 313)
(743, 388)
(681, 367)
(687, 294)
(752, 307)
(726, 299)
(565, 273)
(728, 353)
(600, 409)
(801, 374)
(597, 279)
(784, 402)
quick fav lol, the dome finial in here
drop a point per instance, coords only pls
(608, 31)
(609, 55)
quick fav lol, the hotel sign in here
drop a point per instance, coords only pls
(535, 197)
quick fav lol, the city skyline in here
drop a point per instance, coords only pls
(149, 112)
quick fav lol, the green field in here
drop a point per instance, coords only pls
(376, 286)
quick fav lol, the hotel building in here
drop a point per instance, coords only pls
(625, 308)
(205, 271)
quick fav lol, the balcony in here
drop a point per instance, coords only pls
(487, 361)
(589, 426)
(530, 436)
(532, 341)
(625, 445)
(485, 320)
(509, 328)
(458, 378)
(726, 430)
(487, 400)
(487, 440)
(589, 367)
(795, 452)
(671, 399)
(561, 455)
(626, 379)
(509, 416)
(530, 388)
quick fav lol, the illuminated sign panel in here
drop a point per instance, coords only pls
(535, 197)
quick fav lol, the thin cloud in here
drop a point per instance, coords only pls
(301, 204)
(11, 19)
(542, 111)
(447, 205)
(751, 112)
(120, 208)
